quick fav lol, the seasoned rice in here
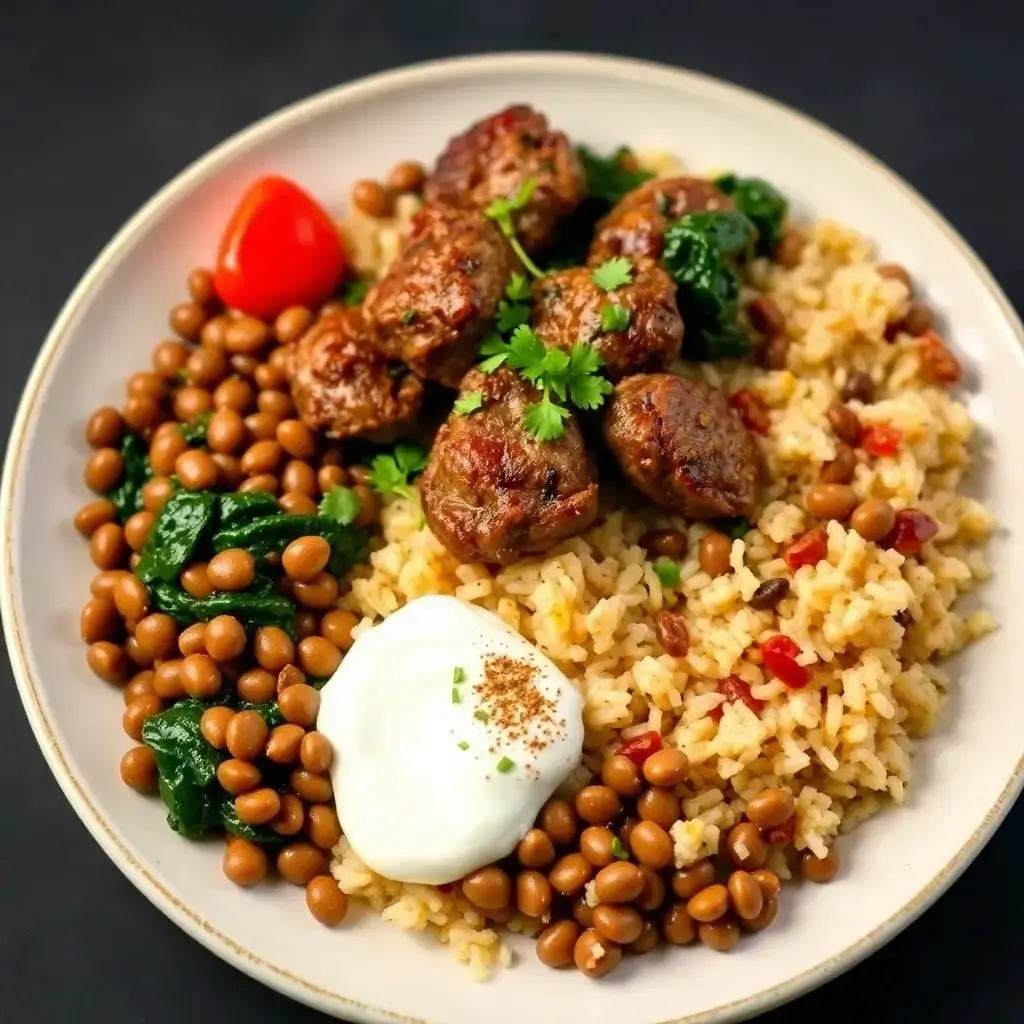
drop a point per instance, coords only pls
(843, 746)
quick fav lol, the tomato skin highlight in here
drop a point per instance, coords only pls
(881, 440)
(735, 689)
(779, 655)
(639, 748)
(280, 248)
(807, 549)
(912, 530)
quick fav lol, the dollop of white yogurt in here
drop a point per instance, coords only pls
(450, 731)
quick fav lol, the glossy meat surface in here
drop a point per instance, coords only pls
(492, 492)
(681, 444)
(496, 156)
(436, 302)
(568, 308)
(636, 225)
(343, 386)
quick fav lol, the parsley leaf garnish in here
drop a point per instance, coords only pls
(614, 318)
(518, 288)
(468, 402)
(610, 178)
(390, 474)
(562, 376)
(195, 432)
(618, 850)
(501, 210)
(667, 571)
(511, 315)
(354, 292)
(613, 273)
(505, 765)
(408, 316)
(341, 504)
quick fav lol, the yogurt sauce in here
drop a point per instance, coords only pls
(450, 731)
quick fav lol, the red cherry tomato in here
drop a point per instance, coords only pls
(780, 654)
(912, 529)
(880, 439)
(279, 249)
(639, 748)
(735, 689)
(752, 410)
(808, 549)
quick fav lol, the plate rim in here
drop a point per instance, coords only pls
(395, 79)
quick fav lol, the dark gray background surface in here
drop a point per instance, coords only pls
(101, 103)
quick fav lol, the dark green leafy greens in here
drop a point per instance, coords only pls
(195, 432)
(255, 607)
(391, 474)
(765, 207)
(127, 495)
(269, 534)
(259, 834)
(701, 253)
(610, 178)
(187, 767)
(175, 535)
(354, 292)
(735, 529)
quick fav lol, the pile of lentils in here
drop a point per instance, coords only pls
(599, 872)
(228, 372)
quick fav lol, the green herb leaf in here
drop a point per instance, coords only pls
(481, 716)
(614, 318)
(609, 178)
(618, 850)
(241, 507)
(501, 209)
(511, 315)
(545, 420)
(253, 607)
(613, 273)
(456, 696)
(459, 676)
(587, 389)
(667, 571)
(195, 432)
(736, 529)
(354, 292)
(518, 288)
(341, 504)
(496, 349)
(261, 835)
(463, 745)
(391, 473)
(468, 402)
(505, 765)
(408, 316)
(765, 207)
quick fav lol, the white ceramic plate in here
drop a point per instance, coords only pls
(966, 776)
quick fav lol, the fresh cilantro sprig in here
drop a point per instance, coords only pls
(501, 211)
(341, 504)
(614, 273)
(354, 292)
(468, 402)
(614, 318)
(561, 376)
(390, 474)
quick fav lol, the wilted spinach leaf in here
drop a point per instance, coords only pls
(610, 178)
(255, 607)
(175, 535)
(127, 495)
(241, 507)
(765, 207)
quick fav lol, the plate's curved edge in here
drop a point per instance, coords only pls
(296, 113)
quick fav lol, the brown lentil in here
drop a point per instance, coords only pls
(895, 272)
(651, 845)
(571, 873)
(237, 777)
(745, 847)
(594, 955)
(919, 319)
(666, 767)
(371, 197)
(200, 676)
(166, 680)
(314, 789)
(246, 736)
(664, 543)
(292, 323)
(192, 639)
(138, 769)
(156, 492)
(191, 402)
(298, 477)
(323, 826)
(318, 657)
(291, 817)
(649, 938)
(231, 570)
(297, 504)
(765, 918)
(318, 593)
(658, 805)
(99, 620)
(225, 638)
(619, 882)
(653, 894)
(771, 807)
(285, 743)
(290, 675)
(555, 944)
(131, 597)
(831, 501)
(596, 845)
(245, 863)
(108, 661)
(765, 316)
(325, 900)
(137, 527)
(488, 888)
(791, 247)
(407, 176)
(535, 849)
(620, 924)
(709, 904)
(845, 423)
(715, 553)
(819, 869)
(558, 819)
(769, 594)
(299, 704)
(337, 626)
(842, 468)
(273, 648)
(196, 470)
(156, 636)
(136, 713)
(315, 752)
(745, 895)
(104, 427)
(677, 926)
(214, 725)
(672, 634)
(620, 774)
(858, 388)
(597, 805)
(873, 519)
(258, 806)
(533, 894)
(719, 935)
(89, 518)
